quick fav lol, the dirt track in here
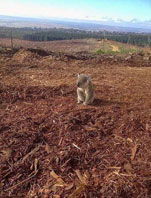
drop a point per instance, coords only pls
(52, 147)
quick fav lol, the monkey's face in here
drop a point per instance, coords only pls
(82, 81)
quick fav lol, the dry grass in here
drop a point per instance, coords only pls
(57, 46)
(70, 46)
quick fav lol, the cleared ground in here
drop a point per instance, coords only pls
(57, 46)
(52, 147)
(71, 46)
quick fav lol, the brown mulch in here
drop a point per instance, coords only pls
(52, 147)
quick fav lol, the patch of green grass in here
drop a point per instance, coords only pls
(121, 51)
(108, 52)
(125, 51)
(117, 49)
(100, 51)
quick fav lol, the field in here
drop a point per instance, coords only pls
(57, 46)
(78, 45)
(52, 147)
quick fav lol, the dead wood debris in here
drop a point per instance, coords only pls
(51, 148)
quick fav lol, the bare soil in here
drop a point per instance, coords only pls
(72, 46)
(52, 147)
(91, 45)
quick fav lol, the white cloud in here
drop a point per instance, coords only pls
(18, 8)
(7, 7)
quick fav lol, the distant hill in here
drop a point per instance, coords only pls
(79, 46)
(10, 21)
(52, 34)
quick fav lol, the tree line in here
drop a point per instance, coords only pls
(140, 39)
(39, 34)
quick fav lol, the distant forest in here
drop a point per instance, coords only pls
(40, 34)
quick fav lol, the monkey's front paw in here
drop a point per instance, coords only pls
(79, 101)
(85, 104)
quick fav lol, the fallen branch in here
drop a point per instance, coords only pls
(33, 174)
(22, 160)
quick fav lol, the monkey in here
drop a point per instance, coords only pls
(85, 89)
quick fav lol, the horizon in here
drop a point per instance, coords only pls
(138, 10)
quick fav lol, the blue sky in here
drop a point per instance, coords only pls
(79, 9)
